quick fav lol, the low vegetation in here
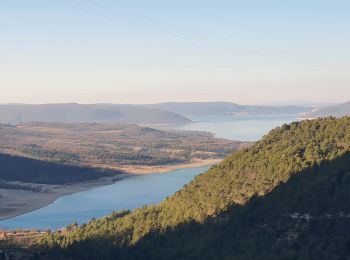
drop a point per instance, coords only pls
(111, 145)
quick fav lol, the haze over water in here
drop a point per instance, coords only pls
(242, 128)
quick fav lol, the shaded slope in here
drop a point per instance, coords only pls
(297, 149)
(15, 168)
(306, 218)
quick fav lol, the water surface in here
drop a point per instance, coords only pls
(142, 190)
(239, 127)
(128, 193)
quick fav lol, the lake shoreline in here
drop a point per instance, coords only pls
(14, 202)
(141, 170)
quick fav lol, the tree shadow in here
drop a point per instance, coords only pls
(15, 168)
(308, 217)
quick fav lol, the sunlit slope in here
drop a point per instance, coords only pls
(217, 196)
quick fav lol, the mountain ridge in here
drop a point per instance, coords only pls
(226, 108)
(87, 113)
(161, 113)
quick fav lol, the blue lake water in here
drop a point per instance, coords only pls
(128, 193)
(240, 127)
(136, 191)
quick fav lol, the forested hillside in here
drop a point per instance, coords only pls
(286, 197)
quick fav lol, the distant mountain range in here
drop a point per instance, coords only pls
(336, 110)
(162, 113)
(95, 113)
(111, 146)
(189, 109)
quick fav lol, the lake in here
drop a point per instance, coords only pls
(137, 191)
(238, 127)
(128, 193)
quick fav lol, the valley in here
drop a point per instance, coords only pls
(174, 130)
(57, 177)
(112, 146)
(41, 162)
(251, 204)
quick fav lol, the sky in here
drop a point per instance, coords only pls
(137, 51)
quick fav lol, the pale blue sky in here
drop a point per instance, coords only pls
(138, 51)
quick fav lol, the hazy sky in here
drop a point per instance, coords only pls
(138, 51)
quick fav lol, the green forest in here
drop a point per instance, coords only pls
(286, 197)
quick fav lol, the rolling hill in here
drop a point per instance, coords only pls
(112, 146)
(286, 197)
(189, 109)
(336, 110)
(163, 113)
(95, 113)
(27, 170)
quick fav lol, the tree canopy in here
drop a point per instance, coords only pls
(286, 197)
